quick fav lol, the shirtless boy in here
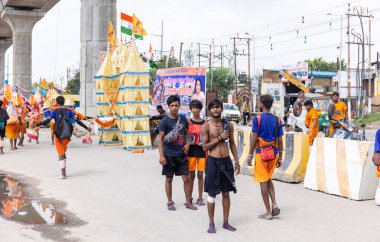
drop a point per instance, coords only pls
(219, 167)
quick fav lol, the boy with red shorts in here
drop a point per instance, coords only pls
(196, 154)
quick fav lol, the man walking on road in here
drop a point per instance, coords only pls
(63, 130)
(246, 111)
(267, 142)
(217, 136)
(173, 147)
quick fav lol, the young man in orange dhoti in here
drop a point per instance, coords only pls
(63, 130)
(267, 142)
(311, 121)
(12, 129)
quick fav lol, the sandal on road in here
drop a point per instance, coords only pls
(171, 206)
(276, 212)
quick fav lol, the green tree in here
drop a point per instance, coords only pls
(222, 81)
(319, 64)
(73, 85)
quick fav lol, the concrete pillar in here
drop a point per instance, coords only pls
(4, 45)
(22, 23)
(95, 15)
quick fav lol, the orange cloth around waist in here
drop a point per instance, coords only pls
(312, 136)
(263, 170)
(61, 145)
(23, 128)
(12, 130)
(378, 172)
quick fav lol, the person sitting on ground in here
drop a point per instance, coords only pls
(311, 121)
(63, 130)
(155, 122)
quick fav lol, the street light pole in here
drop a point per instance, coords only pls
(340, 48)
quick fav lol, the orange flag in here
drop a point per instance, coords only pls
(111, 35)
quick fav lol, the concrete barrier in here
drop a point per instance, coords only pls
(295, 158)
(243, 140)
(343, 168)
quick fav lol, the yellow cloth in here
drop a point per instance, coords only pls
(263, 170)
(138, 27)
(246, 107)
(12, 130)
(310, 117)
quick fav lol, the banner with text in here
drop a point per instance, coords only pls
(187, 82)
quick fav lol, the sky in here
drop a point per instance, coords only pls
(56, 37)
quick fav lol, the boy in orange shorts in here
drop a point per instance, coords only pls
(196, 154)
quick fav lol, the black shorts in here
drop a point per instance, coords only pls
(219, 176)
(178, 165)
(2, 133)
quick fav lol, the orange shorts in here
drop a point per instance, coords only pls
(197, 163)
(61, 145)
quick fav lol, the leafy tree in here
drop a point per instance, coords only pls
(319, 64)
(74, 84)
(222, 81)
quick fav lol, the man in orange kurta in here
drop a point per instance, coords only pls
(311, 121)
(340, 111)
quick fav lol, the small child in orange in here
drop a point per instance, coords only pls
(196, 154)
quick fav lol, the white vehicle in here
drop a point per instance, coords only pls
(231, 112)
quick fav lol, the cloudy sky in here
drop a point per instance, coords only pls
(56, 38)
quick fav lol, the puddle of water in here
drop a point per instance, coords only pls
(16, 205)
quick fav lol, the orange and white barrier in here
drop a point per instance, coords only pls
(343, 168)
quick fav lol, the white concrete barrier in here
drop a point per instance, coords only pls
(377, 199)
(343, 168)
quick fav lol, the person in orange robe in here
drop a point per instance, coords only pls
(311, 121)
(22, 112)
(340, 111)
(266, 131)
(35, 116)
(13, 125)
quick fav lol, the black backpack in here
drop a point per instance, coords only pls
(63, 129)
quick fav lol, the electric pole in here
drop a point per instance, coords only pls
(180, 54)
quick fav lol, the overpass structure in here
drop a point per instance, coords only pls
(17, 19)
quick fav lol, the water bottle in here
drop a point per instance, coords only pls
(225, 127)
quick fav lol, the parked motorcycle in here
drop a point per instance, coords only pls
(349, 131)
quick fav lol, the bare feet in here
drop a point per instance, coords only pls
(266, 216)
(211, 229)
(227, 226)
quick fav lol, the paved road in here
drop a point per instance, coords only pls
(120, 197)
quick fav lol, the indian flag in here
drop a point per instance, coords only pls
(126, 24)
